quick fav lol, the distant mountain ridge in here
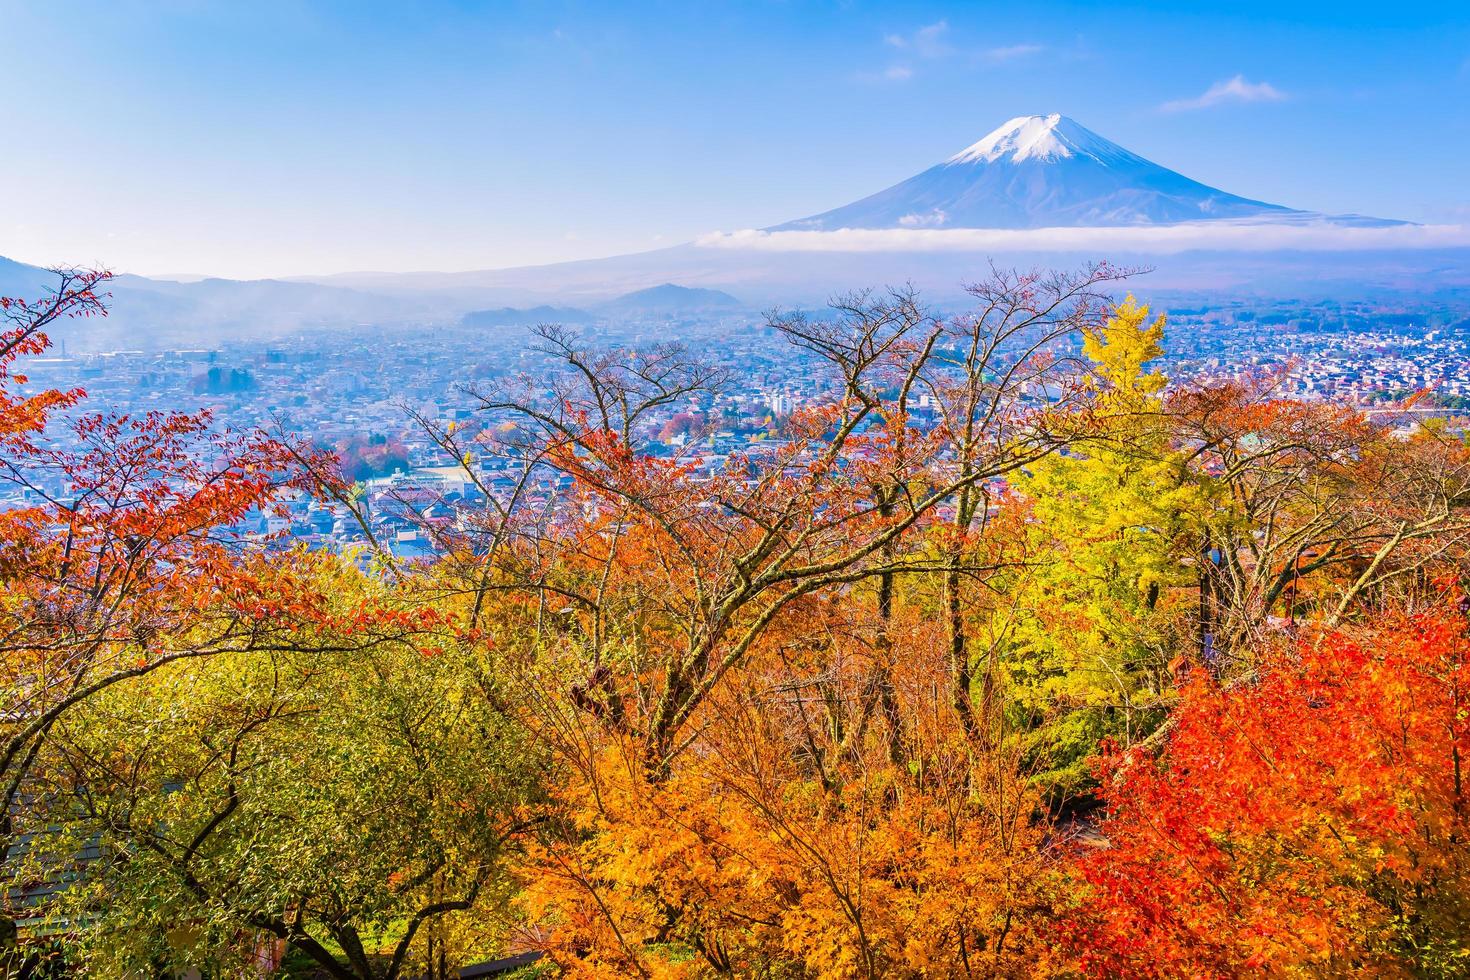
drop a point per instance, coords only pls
(662, 300)
(150, 313)
(1047, 172)
(510, 316)
(669, 298)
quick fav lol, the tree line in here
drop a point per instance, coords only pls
(1073, 672)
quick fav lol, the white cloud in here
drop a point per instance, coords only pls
(930, 219)
(1011, 52)
(1156, 239)
(926, 42)
(1235, 89)
(893, 73)
(932, 42)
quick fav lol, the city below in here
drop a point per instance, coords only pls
(378, 397)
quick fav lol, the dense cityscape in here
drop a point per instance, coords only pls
(376, 397)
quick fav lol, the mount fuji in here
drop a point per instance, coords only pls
(1040, 191)
(1051, 172)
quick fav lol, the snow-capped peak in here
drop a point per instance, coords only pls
(1052, 137)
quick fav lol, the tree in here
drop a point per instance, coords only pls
(1318, 504)
(119, 563)
(742, 658)
(780, 845)
(1109, 527)
(829, 507)
(358, 806)
(1311, 821)
(1004, 387)
(808, 711)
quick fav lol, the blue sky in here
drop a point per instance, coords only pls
(255, 139)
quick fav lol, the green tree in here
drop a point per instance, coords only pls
(359, 807)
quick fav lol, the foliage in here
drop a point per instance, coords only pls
(371, 457)
(786, 848)
(124, 570)
(1010, 658)
(1110, 526)
(355, 799)
(1312, 821)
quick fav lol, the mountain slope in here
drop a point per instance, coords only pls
(510, 316)
(1045, 172)
(153, 313)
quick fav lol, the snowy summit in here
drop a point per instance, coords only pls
(1052, 137)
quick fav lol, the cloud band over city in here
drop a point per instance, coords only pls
(1229, 236)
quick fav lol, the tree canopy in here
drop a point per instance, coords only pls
(1014, 657)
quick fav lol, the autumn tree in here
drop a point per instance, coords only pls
(1089, 622)
(805, 708)
(827, 508)
(118, 563)
(736, 645)
(1318, 506)
(1308, 822)
(1004, 388)
(354, 801)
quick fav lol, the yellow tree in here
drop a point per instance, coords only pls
(1093, 619)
